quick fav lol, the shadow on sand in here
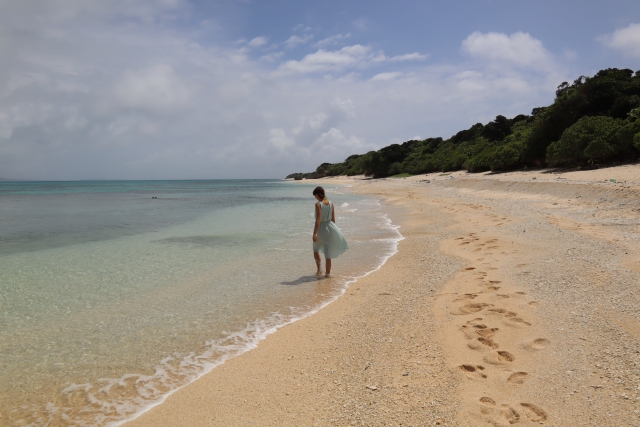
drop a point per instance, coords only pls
(303, 279)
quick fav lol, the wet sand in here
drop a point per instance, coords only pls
(512, 300)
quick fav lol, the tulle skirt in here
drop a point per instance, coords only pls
(330, 242)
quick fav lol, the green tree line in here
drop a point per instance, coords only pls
(592, 121)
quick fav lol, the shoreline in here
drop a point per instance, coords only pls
(273, 329)
(400, 345)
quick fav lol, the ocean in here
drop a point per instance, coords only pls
(113, 294)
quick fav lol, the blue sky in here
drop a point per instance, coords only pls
(179, 89)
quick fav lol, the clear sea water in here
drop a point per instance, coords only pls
(111, 299)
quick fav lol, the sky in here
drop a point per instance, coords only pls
(194, 89)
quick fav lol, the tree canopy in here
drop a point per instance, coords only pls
(594, 120)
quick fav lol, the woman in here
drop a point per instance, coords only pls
(327, 237)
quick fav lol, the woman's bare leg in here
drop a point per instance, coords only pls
(328, 269)
(316, 256)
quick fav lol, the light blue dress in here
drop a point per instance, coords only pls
(330, 242)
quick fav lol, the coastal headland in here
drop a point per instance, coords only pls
(513, 299)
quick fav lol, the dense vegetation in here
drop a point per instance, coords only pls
(595, 120)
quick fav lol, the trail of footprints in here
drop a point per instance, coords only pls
(482, 333)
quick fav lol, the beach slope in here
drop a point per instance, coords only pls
(513, 299)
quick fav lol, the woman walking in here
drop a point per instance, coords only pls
(327, 237)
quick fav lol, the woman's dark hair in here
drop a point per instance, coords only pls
(320, 192)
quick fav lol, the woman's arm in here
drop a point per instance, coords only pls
(317, 226)
(333, 213)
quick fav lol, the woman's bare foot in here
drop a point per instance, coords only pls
(327, 275)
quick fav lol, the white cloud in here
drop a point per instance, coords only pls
(386, 76)
(295, 40)
(409, 57)
(332, 40)
(59, 11)
(626, 40)
(518, 49)
(301, 27)
(258, 41)
(334, 141)
(310, 127)
(347, 57)
(272, 57)
(397, 140)
(279, 138)
(345, 107)
(323, 60)
(93, 99)
(156, 88)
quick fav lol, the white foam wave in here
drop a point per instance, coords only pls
(109, 401)
(255, 333)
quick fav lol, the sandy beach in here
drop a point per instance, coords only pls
(513, 299)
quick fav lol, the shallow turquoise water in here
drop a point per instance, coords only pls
(110, 299)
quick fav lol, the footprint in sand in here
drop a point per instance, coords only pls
(509, 414)
(517, 378)
(509, 315)
(533, 412)
(470, 268)
(498, 414)
(473, 371)
(499, 358)
(493, 288)
(479, 333)
(486, 337)
(486, 332)
(472, 308)
(488, 342)
(469, 329)
(494, 282)
(465, 297)
(537, 344)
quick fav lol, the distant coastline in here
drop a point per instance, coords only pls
(593, 122)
